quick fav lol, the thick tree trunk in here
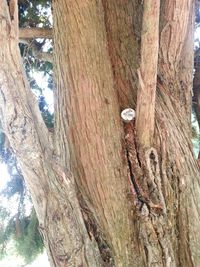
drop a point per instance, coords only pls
(97, 58)
(90, 122)
(139, 204)
(50, 183)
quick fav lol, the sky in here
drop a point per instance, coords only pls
(4, 176)
(48, 93)
(13, 260)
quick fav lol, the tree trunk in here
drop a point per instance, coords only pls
(50, 183)
(98, 56)
(102, 196)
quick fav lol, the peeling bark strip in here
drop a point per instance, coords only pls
(147, 73)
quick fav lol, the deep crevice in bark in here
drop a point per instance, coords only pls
(94, 232)
(133, 162)
(135, 186)
(144, 175)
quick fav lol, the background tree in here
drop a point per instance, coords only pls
(108, 192)
(21, 224)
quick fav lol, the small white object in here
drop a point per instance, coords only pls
(128, 114)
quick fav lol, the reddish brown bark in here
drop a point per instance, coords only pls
(33, 33)
(161, 182)
(50, 183)
(91, 122)
(141, 207)
(147, 73)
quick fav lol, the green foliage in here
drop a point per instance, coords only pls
(46, 115)
(17, 223)
(32, 13)
(29, 244)
(195, 133)
(14, 186)
(25, 233)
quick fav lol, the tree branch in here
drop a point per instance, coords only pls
(44, 56)
(148, 73)
(37, 53)
(33, 33)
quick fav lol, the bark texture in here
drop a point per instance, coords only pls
(91, 122)
(147, 73)
(102, 51)
(50, 183)
(32, 33)
(95, 190)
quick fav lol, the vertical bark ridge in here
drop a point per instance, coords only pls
(159, 229)
(89, 121)
(123, 32)
(181, 173)
(147, 73)
(175, 70)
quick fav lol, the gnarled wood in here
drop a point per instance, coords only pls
(51, 184)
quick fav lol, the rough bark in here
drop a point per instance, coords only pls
(147, 73)
(165, 177)
(175, 67)
(144, 206)
(33, 33)
(91, 122)
(51, 185)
